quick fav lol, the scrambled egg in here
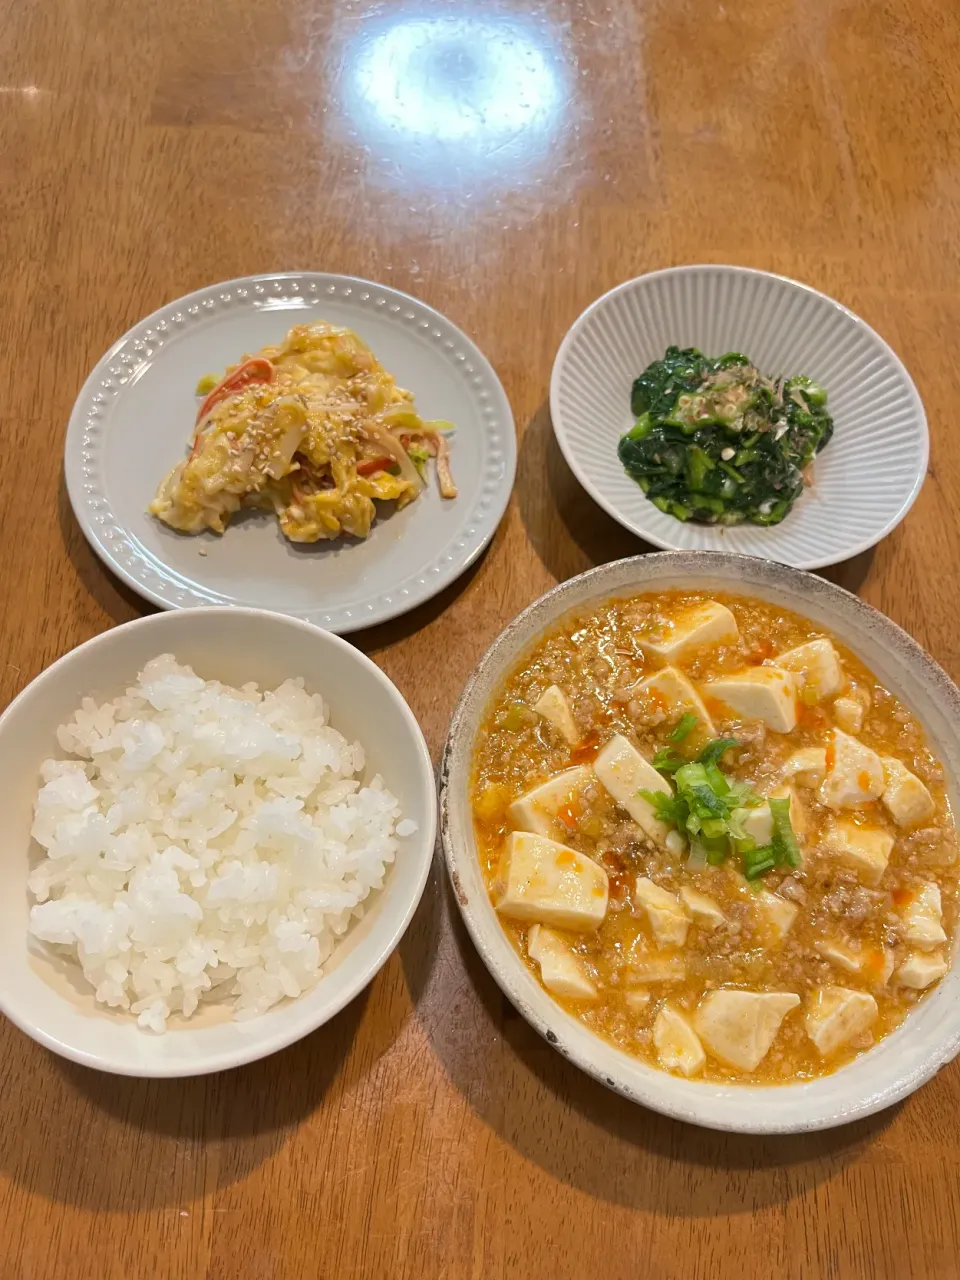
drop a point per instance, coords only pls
(315, 430)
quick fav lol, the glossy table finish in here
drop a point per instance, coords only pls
(506, 163)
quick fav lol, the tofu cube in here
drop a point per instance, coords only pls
(922, 969)
(706, 625)
(878, 965)
(677, 1044)
(670, 694)
(775, 916)
(848, 713)
(839, 954)
(865, 850)
(854, 773)
(636, 1001)
(667, 915)
(705, 911)
(836, 1015)
(654, 966)
(537, 810)
(808, 766)
(738, 1027)
(906, 798)
(760, 693)
(547, 883)
(922, 918)
(623, 771)
(758, 824)
(560, 969)
(554, 707)
(874, 964)
(817, 663)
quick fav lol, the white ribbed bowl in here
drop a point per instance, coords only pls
(866, 479)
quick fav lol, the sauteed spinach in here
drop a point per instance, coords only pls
(718, 442)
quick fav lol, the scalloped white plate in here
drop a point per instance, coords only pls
(865, 480)
(132, 420)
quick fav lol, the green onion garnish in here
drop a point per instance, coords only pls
(668, 808)
(666, 760)
(757, 862)
(709, 809)
(784, 842)
(684, 727)
(714, 749)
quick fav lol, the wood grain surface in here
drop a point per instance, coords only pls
(506, 161)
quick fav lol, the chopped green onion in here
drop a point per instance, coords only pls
(738, 836)
(716, 780)
(697, 856)
(742, 793)
(784, 843)
(668, 808)
(716, 852)
(712, 752)
(684, 727)
(666, 760)
(758, 862)
(709, 809)
(708, 803)
(691, 774)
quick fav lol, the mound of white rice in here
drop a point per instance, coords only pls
(209, 843)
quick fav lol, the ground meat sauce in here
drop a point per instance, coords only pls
(598, 660)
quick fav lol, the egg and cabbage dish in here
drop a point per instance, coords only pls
(314, 430)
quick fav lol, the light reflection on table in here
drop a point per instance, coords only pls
(441, 100)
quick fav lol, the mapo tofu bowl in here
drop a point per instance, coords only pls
(698, 815)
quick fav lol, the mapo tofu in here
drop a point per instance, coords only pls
(715, 838)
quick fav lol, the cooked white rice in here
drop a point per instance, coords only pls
(209, 843)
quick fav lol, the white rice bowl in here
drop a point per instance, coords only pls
(205, 843)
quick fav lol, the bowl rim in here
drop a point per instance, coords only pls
(384, 948)
(565, 1033)
(642, 531)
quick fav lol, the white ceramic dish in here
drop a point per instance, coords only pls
(134, 415)
(46, 996)
(865, 480)
(900, 1063)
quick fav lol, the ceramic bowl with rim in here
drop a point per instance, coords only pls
(45, 994)
(864, 481)
(928, 1038)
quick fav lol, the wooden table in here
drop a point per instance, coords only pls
(506, 163)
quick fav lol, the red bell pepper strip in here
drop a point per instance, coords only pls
(257, 369)
(371, 465)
